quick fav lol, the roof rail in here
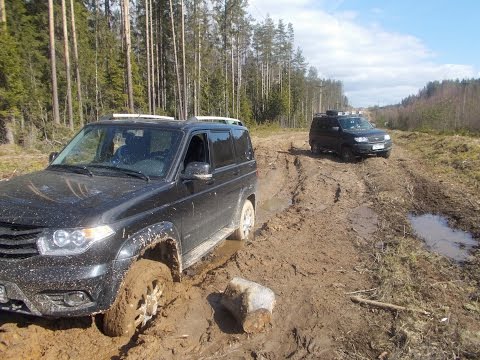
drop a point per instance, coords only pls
(219, 119)
(135, 116)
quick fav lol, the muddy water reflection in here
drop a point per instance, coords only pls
(442, 239)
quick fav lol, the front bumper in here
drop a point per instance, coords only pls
(42, 291)
(372, 148)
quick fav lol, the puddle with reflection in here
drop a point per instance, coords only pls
(441, 238)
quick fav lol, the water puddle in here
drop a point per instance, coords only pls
(441, 238)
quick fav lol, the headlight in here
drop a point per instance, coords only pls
(361, 139)
(71, 241)
(387, 137)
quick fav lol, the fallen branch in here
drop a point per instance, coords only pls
(386, 306)
(360, 291)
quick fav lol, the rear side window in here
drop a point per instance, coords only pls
(222, 148)
(243, 146)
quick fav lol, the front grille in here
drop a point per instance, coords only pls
(18, 241)
(376, 138)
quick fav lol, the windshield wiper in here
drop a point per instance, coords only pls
(79, 169)
(126, 171)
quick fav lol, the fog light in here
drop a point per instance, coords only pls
(75, 298)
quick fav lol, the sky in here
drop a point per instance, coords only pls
(382, 51)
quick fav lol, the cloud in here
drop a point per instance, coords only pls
(375, 65)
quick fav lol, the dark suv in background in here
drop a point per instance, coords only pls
(125, 207)
(348, 134)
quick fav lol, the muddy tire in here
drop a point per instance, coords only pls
(385, 154)
(315, 149)
(346, 154)
(142, 295)
(246, 223)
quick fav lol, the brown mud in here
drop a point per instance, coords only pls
(325, 229)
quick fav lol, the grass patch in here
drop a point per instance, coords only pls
(15, 160)
(268, 129)
(448, 154)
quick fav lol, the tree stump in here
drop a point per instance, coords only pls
(250, 303)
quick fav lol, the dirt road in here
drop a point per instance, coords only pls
(325, 230)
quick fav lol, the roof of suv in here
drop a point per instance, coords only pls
(164, 121)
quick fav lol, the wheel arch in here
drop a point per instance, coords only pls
(159, 242)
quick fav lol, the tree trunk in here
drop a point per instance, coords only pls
(53, 64)
(147, 45)
(179, 95)
(128, 51)
(77, 68)
(185, 102)
(152, 60)
(250, 303)
(67, 65)
(3, 15)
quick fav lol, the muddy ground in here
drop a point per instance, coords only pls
(326, 230)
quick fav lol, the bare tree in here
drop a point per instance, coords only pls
(147, 45)
(179, 95)
(3, 15)
(184, 71)
(53, 64)
(67, 65)
(128, 51)
(77, 68)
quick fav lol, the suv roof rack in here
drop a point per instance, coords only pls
(219, 119)
(343, 113)
(135, 116)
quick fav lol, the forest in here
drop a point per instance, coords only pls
(64, 63)
(449, 106)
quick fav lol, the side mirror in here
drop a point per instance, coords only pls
(197, 171)
(52, 156)
(335, 128)
(374, 125)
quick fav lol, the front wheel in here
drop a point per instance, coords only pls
(346, 154)
(386, 154)
(143, 293)
(247, 221)
(315, 149)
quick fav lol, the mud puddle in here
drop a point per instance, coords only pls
(441, 238)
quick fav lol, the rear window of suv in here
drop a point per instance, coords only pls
(243, 147)
(223, 154)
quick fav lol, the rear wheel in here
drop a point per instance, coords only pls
(385, 154)
(346, 154)
(246, 223)
(143, 293)
(315, 149)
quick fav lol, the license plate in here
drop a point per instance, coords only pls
(378, 146)
(3, 294)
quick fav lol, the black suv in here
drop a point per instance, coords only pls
(125, 207)
(347, 134)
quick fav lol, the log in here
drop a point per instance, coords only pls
(250, 303)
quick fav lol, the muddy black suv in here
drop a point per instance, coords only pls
(348, 134)
(122, 210)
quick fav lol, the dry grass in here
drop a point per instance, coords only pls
(15, 160)
(459, 155)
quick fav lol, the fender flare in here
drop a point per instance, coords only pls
(150, 236)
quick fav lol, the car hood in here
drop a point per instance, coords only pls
(53, 198)
(369, 132)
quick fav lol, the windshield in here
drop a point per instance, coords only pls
(355, 123)
(146, 150)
